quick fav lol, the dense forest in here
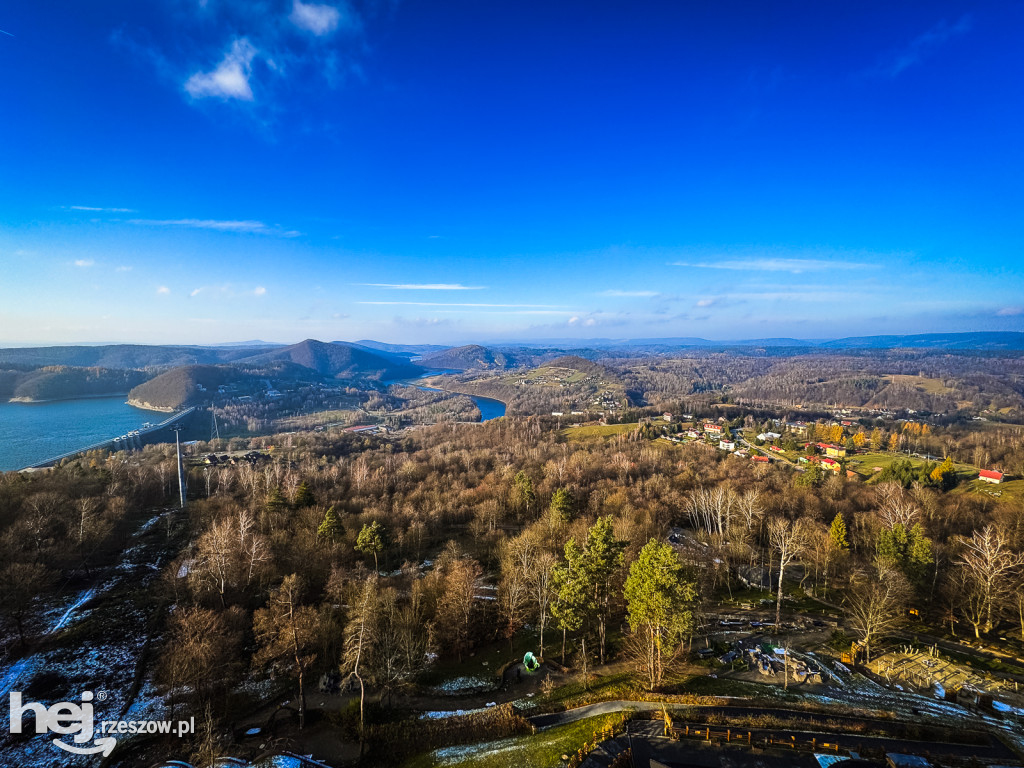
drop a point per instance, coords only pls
(59, 382)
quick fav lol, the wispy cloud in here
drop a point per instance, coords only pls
(245, 226)
(507, 312)
(227, 291)
(123, 269)
(425, 286)
(230, 79)
(163, 290)
(628, 294)
(447, 304)
(796, 266)
(93, 209)
(84, 262)
(319, 19)
(922, 46)
(1010, 312)
(706, 302)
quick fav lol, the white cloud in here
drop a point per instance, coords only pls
(98, 210)
(123, 269)
(1010, 311)
(705, 302)
(313, 17)
(796, 266)
(84, 262)
(163, 290)
(247, 226)
(230, 80)
(445, 304)
(196, 292)
(614, 292)
(425, 286)
(259, 291)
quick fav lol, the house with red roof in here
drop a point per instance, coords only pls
(990, 476)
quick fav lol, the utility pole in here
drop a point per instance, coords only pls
(181, 475)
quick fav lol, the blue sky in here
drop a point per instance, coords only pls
(200, 172)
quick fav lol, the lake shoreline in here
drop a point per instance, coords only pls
(149, 407)
(36, 401)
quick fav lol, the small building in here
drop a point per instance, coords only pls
(832, 451)
(666, 416)
(774, 448)
(990, 476)
(727, 445)
(712, 429)
(831, 464)
(761, 459)
(693, 433)
(557, 413)
(769, 437)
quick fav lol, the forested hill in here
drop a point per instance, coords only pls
(471, 356)
(339, 361)
(123, 356)
(184, 386)
(63, 382)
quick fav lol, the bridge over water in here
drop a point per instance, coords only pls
(133, 440)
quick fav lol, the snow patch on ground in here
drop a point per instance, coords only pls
(463, 684)
(441, 714)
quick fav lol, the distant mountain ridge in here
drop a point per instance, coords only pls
(124, 355)
(369, 357)
(338, 360)
(982, 340)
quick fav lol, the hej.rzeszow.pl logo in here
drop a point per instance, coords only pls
(77, 720)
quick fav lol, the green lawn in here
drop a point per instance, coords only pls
(542, 750)
(1012, 490)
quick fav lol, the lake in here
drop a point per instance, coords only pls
(489, 407)
(34, 432)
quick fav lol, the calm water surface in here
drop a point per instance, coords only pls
(34, 432)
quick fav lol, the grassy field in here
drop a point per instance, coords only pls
(596, 432)
(923, 383)
(865, 464)
(542, 750)
(1012, 490)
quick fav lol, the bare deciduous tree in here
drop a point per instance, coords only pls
(783, 538)
(875, 604)
(990, 564)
